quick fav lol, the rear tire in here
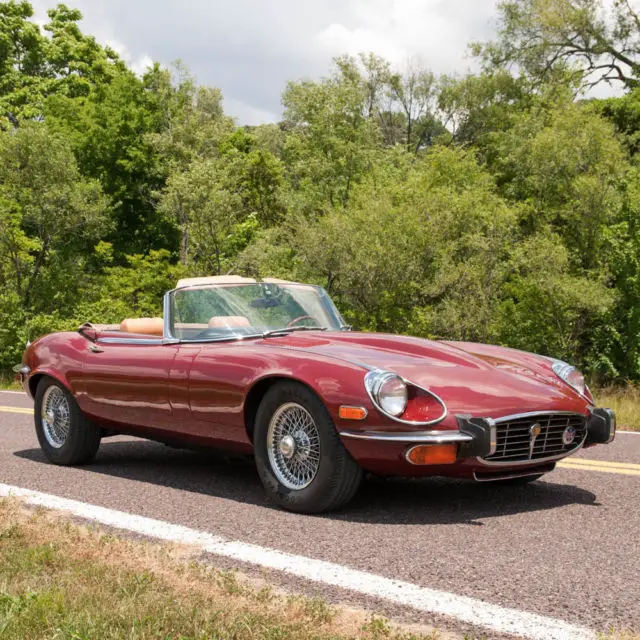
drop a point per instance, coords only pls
(65, 434)
(301, 461)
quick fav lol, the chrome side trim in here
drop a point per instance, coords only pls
(439, 400)
(425, 437)
(234, 338)
(147, 341)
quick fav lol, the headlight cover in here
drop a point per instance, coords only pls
(388, 391)
(571, 376)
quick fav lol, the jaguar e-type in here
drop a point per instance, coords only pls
(269, 368)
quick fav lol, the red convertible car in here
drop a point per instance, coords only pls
(270, 368)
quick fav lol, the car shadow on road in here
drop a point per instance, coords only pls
(379, 501)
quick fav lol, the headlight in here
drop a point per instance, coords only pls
(570, 375)
(388, 391)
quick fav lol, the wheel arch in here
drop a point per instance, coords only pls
(259, 389)
(34, 381)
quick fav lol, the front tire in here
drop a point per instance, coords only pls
(301, 461)
(65, 434)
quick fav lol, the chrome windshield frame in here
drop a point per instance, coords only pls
(170, 338)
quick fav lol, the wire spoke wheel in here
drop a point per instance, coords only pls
(293, 446)
(56, 416)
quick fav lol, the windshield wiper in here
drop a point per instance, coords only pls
(284, 330)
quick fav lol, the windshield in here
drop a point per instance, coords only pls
(224, 311)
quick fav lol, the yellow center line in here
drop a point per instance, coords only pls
(16, 410)
(584, 467)
(579, 464)
(603, 463)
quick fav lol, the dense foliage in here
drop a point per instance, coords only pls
(500, 207)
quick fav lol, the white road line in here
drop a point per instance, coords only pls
(469, 610)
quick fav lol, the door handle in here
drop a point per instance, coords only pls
(94, 348)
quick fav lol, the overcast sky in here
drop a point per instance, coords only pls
(250, 48)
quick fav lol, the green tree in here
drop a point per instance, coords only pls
(331, 143)
(48, 212)
(108, 131)
(417, 242)
(192, 121)
(615, 349)
(546, 308)
(206, 213)
(600, 42)
(34, 66)
(564, 164)
(476, 106)
(415, 91)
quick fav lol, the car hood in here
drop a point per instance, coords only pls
(470, 378)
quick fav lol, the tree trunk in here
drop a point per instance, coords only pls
(184, 232)
(36, 272)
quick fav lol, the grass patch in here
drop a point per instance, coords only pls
(625, 401)
(61, 580)
(8, 383)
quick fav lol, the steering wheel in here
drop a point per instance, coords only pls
(299, 319)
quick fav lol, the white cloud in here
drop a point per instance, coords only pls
(251, 48)
(141, 64)
(338, 39)
(138, 65)
(434, 31)
(247, 114)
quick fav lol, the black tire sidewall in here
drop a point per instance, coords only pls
(76, 445)
(320, 494)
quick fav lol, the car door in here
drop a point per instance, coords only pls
(126, 381)
(218, 377)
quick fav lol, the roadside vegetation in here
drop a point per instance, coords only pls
(9, 383)
(625, 401)
(63, 580)
(500, 207)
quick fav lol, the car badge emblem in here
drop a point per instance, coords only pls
(534, 431)
(568, 435)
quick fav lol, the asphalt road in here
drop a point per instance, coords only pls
(566, 546)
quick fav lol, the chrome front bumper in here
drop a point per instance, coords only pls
(474, 436)
(477, 437)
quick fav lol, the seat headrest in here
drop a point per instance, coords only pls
(147, 326)
(227, 322)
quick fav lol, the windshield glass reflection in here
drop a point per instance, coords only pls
(226, 311)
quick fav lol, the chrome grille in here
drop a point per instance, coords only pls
(516, 439)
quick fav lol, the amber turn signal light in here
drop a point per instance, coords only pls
(433, 454)
(352, 413)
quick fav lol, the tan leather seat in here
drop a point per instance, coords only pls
(228, 322)
(147, 326)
